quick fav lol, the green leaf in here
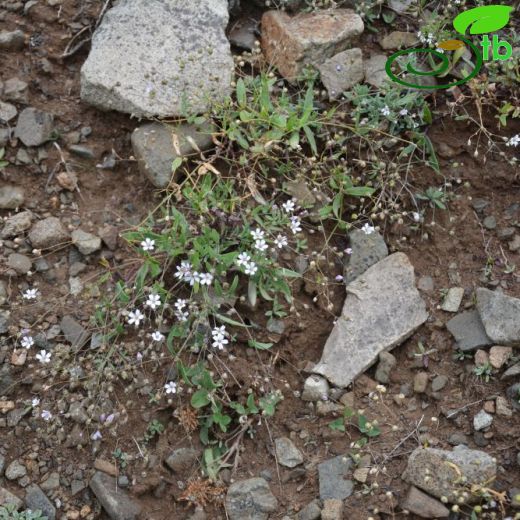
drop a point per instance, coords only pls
(288, 273)
(427, 114)
(241, 93)
(229, 321)
(360, 191)
(484, 19)
(246, 116)
(176, 164)
(251, 404)
(258, 345)
(200, 399)
(338, 425)
(310, 138)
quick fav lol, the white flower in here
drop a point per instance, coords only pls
(416, 216)
(280, 241)
(243, 259)
(135, 317)
(170, 388)
(96, 435)
(193, 277)
(289, 206)
(348, 251)
(368, 229)
(385, 110)
(43, 357)
(35, 402)
(182, 315)
(257, 234)
(27, 342)
(183, 270)
(46, 415)
(403, 112)
(261, 244)
(295, 225)
(148, 244)
(206, 279)
(219, 332)
(514, 141)
(440, 50)
(157, 336)
(251, 268)
(220, 343)
(139, 356)
(30, 294)
(180, 304)
(339, 278)
(154, 300)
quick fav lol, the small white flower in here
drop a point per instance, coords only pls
(43, 357)
(251, 268)
(339, 278)
(514, 141)
(182, 315)
(139, 356)
(193, 277)
(46, 415)
(348, 251)
(243, 259)
(385, 110)
(261, 244)
(180, 304)
(219, 332)
(30, 294)
(170, 388)
(289, 206)
(403, 112)
(148, 244)
(416, 216)
(96, 435)
(35, 402)
(157, 336)
(183, 270)
(135, 317)
(296, 226)
(206, 279)
(368, 229)
(220, 343)
(27, 342)
(280, 241)
(154, 301)
(257, 234)
(440, 50)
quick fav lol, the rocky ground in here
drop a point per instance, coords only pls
(397, 396)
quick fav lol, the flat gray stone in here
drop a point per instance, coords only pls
(468, 331)
(500, 315)
(342, 72)
(47, 233)
(453, 299)
(74, 332)
(438, 471)
(375, 71)
(21, 264)
(423, 505)
(482, 420)
(7, 112)
(115, 501)
(6, 497)
(159, 58)
(34, 127)
(367, 250)
(250, 500)
(382, 309)
(35, 499)
(315, 388)
(155, 152)
(15, 470)
(87, 243)
(12, 40)
(11, 197)
(332, 473)
(16, 224)
(182, 459)
(399, 40)
(287, 454)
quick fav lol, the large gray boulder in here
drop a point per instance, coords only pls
(159, 57)
(382, 309)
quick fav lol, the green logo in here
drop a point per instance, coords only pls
(480, 20)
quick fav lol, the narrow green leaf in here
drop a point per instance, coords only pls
(259, 345)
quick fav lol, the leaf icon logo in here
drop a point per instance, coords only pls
(482, 20)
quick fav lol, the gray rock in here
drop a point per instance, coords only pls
(82, 151)
(34, 127)
(333, 483)
(35, 498)
(287, 454)
(367, 250)
(453, 299)
(6, 497)
(315, 388)
(12, 40)
(382, 309)
(500, 316)
(51, 482)
(513, 392)
(7, 383)
(420, 382)
(4, 323)
(243, 34)
(502, 407)
(250, 500)
(7, 112)
(398, 40)
(511, 372)
(142, 62)
(87, 243)
(482, 420)
(332, 509)
(386, 363)
(15, 470)
(11, 197)
(490, 223)
(74, 332)
(479, 205)
(182, 459)
(154, 150)
(423, 505)
(48, 233)
(312, 511)
(3, 292)
(21, 264)
(5, 135)
(468, 331)
(275, 326)
(17, 224)
(115, 501)
(77, 413)
(439, 382)
(15, 90)
(438, 472)
(458, 438)
(375, 71)
(342, 72)
(400, 6)
(2, 464)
